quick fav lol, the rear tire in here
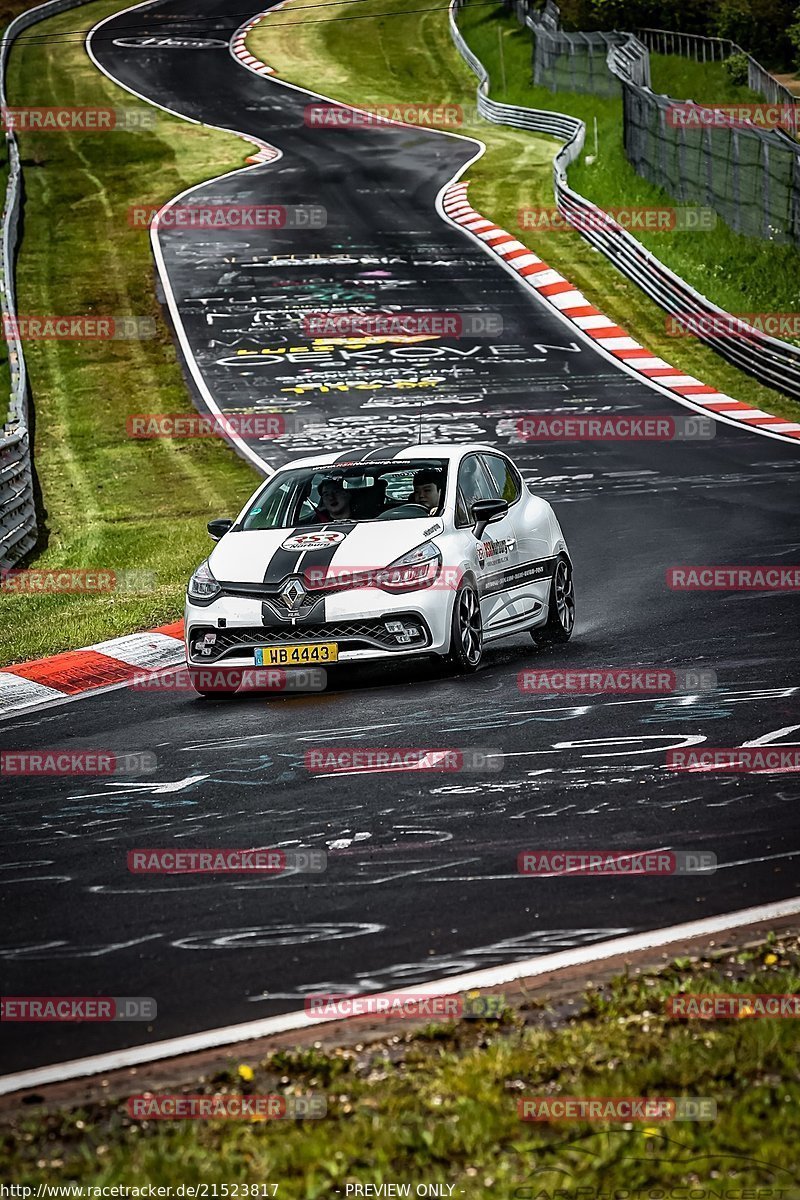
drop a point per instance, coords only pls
(561, 613)
(466, 632)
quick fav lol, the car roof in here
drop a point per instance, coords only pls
(396, 452)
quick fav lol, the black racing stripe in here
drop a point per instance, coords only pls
(354, 456)
(295, 562)
(511, 577)
(385, 452)
(282, 562)
(320, 560)
(323, 557)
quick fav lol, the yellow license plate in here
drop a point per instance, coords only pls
(300, 654)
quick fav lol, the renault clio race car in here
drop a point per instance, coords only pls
(394, 552)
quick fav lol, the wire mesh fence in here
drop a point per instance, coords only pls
(750, 177)
(743, 160)
(773, 362)
(712, 49)
(575, 62)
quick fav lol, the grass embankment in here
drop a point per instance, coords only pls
(110, 502)
(740, 274)
(389, 59)
(440, 1105)
(704, 82)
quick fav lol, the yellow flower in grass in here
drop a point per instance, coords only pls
(246, 1073)
(770, 960)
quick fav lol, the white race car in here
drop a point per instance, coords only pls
(394, 552)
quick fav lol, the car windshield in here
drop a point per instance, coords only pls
(374, 491)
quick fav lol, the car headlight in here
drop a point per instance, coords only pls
(417, 569)
(203, 585)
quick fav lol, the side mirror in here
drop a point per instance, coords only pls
(219, 528)
(486, 511)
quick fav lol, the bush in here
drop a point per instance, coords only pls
(736, 68)
(767, 29)
(690, 16)
(793, 33)
(760, 29)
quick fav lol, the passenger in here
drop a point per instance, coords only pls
(334, 502)
(428, 489)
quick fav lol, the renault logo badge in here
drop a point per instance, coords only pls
(293, 594)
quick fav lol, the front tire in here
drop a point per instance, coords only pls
(561, 613)
(466, 632)
(203, 682)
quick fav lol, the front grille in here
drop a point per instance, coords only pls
(351, 635)
(271, 596)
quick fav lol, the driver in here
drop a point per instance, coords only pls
(334, 502)
(428, 489)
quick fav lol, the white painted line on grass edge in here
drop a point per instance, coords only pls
(490, 977)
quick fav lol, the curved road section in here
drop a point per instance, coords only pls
(422, 878)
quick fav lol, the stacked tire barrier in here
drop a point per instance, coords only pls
(17, 510)
(773, 362)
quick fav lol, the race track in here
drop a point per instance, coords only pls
(421, 878)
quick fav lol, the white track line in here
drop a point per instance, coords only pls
(577, 333)
(197, 375)
(490, 977)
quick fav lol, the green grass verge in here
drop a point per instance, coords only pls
(705, 83)
(111, 502)
(738, 273)
(389, 59)
(440, 1105)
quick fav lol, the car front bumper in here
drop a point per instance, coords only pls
(229, 630)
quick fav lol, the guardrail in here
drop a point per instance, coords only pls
(771, 361)
(630, 60)
(17, 510)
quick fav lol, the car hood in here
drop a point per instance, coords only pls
(269, 555)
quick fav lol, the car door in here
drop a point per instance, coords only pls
(492, 556)
(530, 566)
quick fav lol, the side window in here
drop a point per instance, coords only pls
(474, 483)
(273, 506)
(504, 476)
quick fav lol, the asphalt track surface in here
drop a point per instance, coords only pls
(421, 880)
